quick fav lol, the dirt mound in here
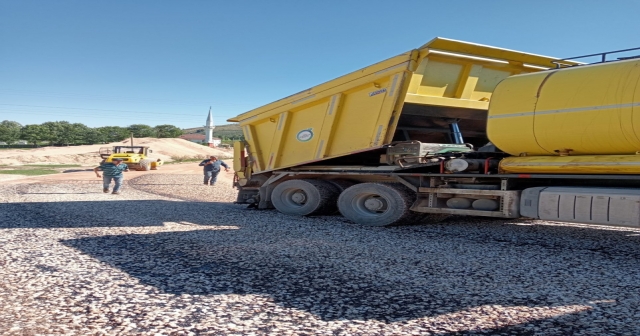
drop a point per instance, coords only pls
(165, 149)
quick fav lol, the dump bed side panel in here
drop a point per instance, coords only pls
(349, 114)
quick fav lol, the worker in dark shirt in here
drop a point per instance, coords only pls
(112, 171)
(211, 169)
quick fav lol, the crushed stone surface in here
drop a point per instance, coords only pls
(172, 256)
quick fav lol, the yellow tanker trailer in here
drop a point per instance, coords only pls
(577, 120)
(405, 138)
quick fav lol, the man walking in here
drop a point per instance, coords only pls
(211, 169)
(112, 171)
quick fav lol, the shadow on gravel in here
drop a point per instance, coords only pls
(339, 271)
(76, 170)
(398, 274)
(69, 193)
(130, 213)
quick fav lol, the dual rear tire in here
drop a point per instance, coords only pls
(370, 204)
(378, 204)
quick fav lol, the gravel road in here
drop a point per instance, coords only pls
(172, 256)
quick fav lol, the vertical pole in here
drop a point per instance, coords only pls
(131, 139)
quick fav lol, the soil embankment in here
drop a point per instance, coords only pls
(164, 149)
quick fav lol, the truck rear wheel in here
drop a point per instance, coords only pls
(377, 204)
(304, 197)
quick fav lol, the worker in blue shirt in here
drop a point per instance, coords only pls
(112, 171)
(211, 169)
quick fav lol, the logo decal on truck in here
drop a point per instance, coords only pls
(377, 92)
(305, 135)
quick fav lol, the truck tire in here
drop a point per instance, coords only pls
(145, 165)
(305, 197)
(378, 204)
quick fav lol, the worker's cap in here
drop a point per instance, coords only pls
(117, 159)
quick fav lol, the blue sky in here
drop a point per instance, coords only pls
(165, 62)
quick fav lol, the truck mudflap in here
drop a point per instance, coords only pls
(470, 202)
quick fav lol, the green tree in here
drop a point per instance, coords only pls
(52, 131)
(141, 131)
(113, 133)
(9, 131)
(167, 131)
(32, 133)
(94, 136)
(79, 133)
(66, 133)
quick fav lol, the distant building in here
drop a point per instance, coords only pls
(201, 139)
(19, 142)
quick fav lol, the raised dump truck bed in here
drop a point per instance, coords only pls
(425, 94)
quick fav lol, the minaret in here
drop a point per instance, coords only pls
(208, 129)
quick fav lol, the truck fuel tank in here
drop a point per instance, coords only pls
(606, 206)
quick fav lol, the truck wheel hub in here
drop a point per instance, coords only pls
(374, 204)
(299, 197)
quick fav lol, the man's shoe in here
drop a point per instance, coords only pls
(116, 193)
(105, 190)
(206, 184)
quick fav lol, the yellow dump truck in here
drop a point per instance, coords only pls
(452, 128)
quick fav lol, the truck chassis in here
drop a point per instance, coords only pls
(490, 195)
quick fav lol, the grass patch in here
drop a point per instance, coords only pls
(35, 169)
(29, 172)
(53, 165)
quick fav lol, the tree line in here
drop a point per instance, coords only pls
(65, 133)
